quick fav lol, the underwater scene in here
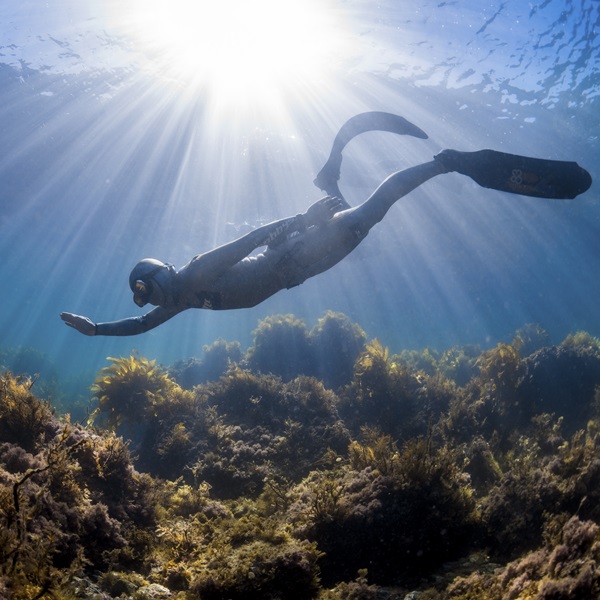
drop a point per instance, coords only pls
(299, 300)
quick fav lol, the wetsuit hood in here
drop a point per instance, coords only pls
(151, 281)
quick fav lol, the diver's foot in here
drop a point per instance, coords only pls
(452, 160)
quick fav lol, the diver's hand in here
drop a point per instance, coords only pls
(323, 210)
(82, 324)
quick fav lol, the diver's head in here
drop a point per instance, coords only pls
(151, 282)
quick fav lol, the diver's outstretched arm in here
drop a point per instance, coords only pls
(81, 324)
(124, 327)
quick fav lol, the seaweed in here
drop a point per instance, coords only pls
(530, 338)
(266, 428)
(388, 395)
(566, 567)
(353, 473)
(396, 512)
(337, 342)
(457, 363)
(563, 379)
(36, 554)
(132, 390)
(359, 589)
(492, 404)
(284, 346)
(260, 570)
(215, 550)
(218, 358)
(281, 347)
(24, 419)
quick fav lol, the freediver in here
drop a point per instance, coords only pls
(300, 247)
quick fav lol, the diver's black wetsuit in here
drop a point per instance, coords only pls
(228, 278)
(301, 247)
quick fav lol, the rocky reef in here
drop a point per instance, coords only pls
(314, 465)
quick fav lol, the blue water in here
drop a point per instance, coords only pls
(103, 162)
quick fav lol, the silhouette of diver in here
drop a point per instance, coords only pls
(303, 246)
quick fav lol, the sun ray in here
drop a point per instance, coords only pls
(238, 52)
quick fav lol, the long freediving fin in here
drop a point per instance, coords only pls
(329, 175)
(516, 174)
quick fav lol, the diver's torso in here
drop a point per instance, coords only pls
(256, 278)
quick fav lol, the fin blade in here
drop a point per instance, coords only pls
(329, 175)
(536, 177)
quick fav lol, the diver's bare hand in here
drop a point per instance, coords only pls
(81, 324)
(323, 210)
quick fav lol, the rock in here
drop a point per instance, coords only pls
(153, 591)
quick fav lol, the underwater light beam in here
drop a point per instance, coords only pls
(240, 53)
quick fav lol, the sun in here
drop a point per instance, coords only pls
(236, 49)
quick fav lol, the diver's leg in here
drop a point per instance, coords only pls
(396, 186)
(319, 248)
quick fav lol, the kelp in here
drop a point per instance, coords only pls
(131, 390)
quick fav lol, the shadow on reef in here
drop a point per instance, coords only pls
(283, 474)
